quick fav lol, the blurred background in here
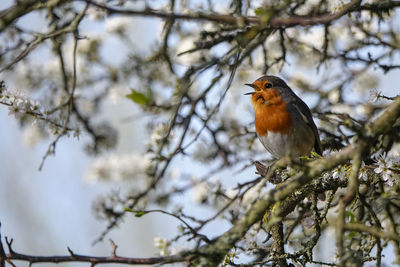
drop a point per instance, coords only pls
(46, 211)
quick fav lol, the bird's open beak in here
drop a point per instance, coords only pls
(252, 86)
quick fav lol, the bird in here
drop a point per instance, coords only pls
(283, 122)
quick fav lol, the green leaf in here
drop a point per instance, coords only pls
(128, 209)
(137, 97)
(264, 14)
(350, 216)
(304, 158)
(140, 213)
(352, 235)
(316, 155)
(259, 11)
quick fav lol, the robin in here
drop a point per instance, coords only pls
(284, 123)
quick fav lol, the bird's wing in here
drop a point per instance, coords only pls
(306, 115)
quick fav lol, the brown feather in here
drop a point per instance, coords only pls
(271, 113)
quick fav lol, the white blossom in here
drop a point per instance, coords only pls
(174, 173)
(118, 24)
(200, 192)
(117, 93)
(374, 95)
(177, 249)
(363, 174)
(384, 167)
(306, 8)
(119, 167)
(32, 135)
(365, 81)
(52, 67)
(19, 104)
(343, 108)
(231, 193)
(362, 110)
(95, 13)
(335, 5)
(161, 244)
(158, 133)
(339, 173)
(334, 96)
(313, 37)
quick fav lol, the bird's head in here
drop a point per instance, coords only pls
(266, 92)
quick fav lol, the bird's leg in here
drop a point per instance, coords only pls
(261, 168)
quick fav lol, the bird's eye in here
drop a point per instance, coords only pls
(268, 85)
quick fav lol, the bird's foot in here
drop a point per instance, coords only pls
(263, 170)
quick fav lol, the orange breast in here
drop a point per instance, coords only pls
(271, 113)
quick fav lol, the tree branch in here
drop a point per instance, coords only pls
(22, 8)
(358, 227)
(235, 20)
(12, 255)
